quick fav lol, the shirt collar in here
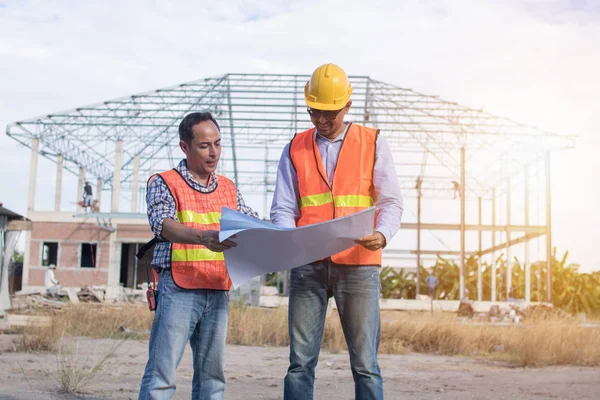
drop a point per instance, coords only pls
(340, 138)
(187, 175)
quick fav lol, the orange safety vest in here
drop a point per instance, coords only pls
(193, 266)
(352, 188)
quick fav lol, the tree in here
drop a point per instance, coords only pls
(397, 284)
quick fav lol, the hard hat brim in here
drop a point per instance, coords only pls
(326, 107)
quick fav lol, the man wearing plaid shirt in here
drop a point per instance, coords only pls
(161, 205)
(195, 315)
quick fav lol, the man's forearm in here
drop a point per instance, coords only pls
(176, 232)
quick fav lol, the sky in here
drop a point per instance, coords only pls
(534, 61)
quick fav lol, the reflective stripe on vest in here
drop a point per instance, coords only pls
(203, 219)
(340, 201)
(194, 266)
(196, 255)
(350, 191)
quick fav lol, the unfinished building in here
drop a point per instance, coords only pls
(473, 183)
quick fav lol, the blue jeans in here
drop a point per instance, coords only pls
(356, 291)
(198, 316)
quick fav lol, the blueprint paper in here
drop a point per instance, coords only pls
(263, 247)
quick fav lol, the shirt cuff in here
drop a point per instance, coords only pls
(386, 234)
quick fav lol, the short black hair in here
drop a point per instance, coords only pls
(188, 122)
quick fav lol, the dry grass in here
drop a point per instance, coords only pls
(97, 321)
(556, 343)
(257, 327)
(77, 370)
(268, 327)
(555, 340)
(103, 322)
(438, 333)
(37, 339)
(548, 341)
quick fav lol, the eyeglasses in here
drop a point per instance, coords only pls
(329, 115)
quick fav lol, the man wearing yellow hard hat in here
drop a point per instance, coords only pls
(332, 170)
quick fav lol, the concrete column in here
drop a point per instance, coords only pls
(418, 292)
(35, 146)
(113, 289)
(135, 183)
(548, 231)
(463, 184)
(80, 187)
(116, 192)
(26, 259)
(526, 258)
(508, 255)
(4, 296)
(58, 189)
(494, 270)
(99, 191)
(479, 246)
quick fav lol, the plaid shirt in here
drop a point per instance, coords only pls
(161, 205)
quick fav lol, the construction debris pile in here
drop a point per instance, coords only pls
(32, 301)
(510, 313)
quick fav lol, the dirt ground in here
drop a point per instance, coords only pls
(257, 373)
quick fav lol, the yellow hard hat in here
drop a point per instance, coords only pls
(328, 88)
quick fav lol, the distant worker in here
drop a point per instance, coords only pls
(52, 285)
(432, 282)
(87, 195)
(419, 185)
(456, 188)
(332, 170)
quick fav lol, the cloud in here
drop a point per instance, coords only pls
(533, 61)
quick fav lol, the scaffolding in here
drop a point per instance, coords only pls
(442, 150)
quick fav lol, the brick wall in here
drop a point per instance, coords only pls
(55, 231)
(141, 233)
(70, 238)
(70, 276)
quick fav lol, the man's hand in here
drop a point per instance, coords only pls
(372, 242)
(210, 239)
